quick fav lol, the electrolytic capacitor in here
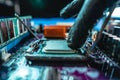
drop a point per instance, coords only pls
(117, 52)
(4, 30)
(105, 42)
(10, 25)
(116, 48)
(105, 39)
(0, 36)
(20, 26)
(15, 27)
(116, 31)
(100, 43)
(109, 44)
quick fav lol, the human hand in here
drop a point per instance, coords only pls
(88, 13)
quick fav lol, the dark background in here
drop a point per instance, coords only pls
(36, 8)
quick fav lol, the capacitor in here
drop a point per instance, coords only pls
(10, 25)
(109, 44)
(0, 36)
(4, 30)
(24, 21)
(15, 27)
(101, 41)
(117, 52)
(116, 31)
(116, 48)
(104, 47)
(20, 26)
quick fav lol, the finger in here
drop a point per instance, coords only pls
(89, 13)
(71, 9)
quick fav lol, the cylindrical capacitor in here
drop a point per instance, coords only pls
(116, 48)
(4, 30)
(116, 31)
(20, 26)
(10, 25)
(0, 36)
